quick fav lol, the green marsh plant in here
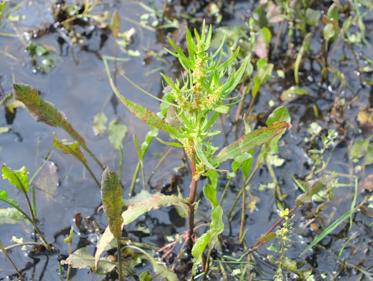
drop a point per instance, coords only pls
(188, 113)
(19, 179)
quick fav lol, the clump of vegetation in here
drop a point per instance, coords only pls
(224, 110)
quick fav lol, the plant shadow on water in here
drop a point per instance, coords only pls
(321, 175)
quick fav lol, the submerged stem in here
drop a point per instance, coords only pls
(5, 252)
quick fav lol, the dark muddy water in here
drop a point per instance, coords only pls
(78, 87)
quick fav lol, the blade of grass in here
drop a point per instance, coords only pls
(328, 230)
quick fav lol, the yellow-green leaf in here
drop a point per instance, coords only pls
(17, 178)
(251, 140)
(115, 24)
(45, 111)
(142, 113)
(137, 206)
(112, 200)
(72, 148)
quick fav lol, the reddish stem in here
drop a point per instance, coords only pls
(192, 199)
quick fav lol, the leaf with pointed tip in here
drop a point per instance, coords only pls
(142, 113)
(115, 24)
(72, 148)
(112, 200)
(281, 113)
(17, 178)
(2, 9)
(44, 111)
(251, 140)
(328, 230)
(145, 202)
(210, 237)
(137, 206)
(234, 79)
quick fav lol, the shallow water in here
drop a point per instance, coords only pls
(78, 87)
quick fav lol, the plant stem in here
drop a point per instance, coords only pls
(5, 252)
(91, 173)
(192, 198)
(244, 203)
(30, 219)
(119, 261)
(134, 178)
(243, 215)
(102, 166)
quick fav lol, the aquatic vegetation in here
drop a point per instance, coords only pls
(19, 180)
(190, 108)
(206, 182)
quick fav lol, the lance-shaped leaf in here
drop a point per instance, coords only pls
(112, 200)
(142, 113)
(210, 237)
(17, 178)
(115, 24)
(45, 111)
(137, 206)
(251, 140)
(72, 148)
(328, 230)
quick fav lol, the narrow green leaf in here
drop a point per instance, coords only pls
(265, 238)
(2, 9)
(300, 54)
(210, 189)
(115, 24)
(44, 111)
(145, 202)
(17, 178)
(142, 113)
(333, 12)
(328, 230)
(210, 237)
(280, 114)
(251, 140)
(137, 206)
(235, 78)
(69, 238)
(112, 200)
(67, 147)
